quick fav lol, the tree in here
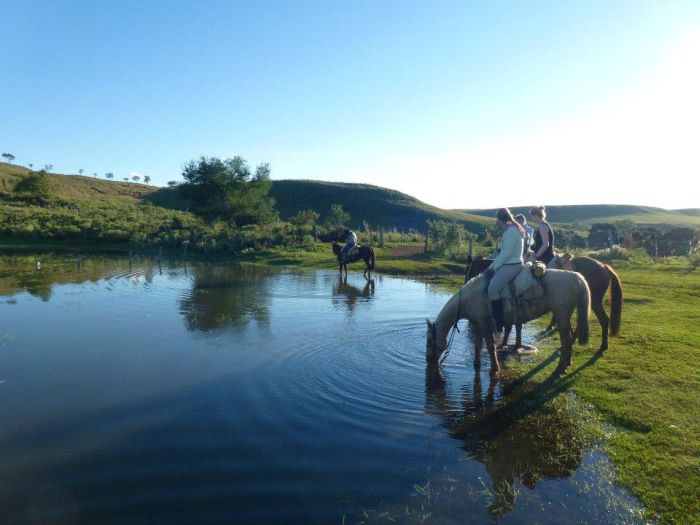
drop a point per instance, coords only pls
(227, 189)
(304, 218)
(9, 156)
(600, 233)
(48, 167)
(172, 183)
(31, 166)
(109, 175)
(136, 178)
(81, 171)
(36, 184)
(126, 179)
(147, 179)
(336, 217)
(94, 174)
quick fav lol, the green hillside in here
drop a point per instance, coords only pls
(582, 216)
(376, 205)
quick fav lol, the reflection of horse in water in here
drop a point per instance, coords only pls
(352, 293)
(562, 293)
(598, 276)
(518, 437)
(366, 253)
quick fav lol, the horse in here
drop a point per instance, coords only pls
(563, 292)
(366, 253)
(598, 276)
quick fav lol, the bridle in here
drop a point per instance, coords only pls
(455, 329)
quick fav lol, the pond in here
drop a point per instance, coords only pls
(207, 392)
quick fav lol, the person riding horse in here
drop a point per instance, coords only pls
(350, 242)
(507, 264)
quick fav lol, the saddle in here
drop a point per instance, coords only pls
(351, 254)
(526, 286)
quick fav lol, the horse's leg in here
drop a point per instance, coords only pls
(603, 319)
(518, 335)
(491, 345)
(478, 342)
(566, 340)
(506, 335)
(552, 324)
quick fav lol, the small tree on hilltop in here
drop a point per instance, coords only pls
(81, 171)
(126, 179)
(9, 156)
(136, 178)
(172, 183)
(147, 179)
(48, 167)
(109, 175)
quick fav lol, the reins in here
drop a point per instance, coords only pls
(455, 329)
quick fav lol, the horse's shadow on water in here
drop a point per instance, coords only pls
(351, 295)
(521, 435)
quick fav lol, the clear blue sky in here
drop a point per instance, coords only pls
(461, 104)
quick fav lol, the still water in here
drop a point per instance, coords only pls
(187, 393)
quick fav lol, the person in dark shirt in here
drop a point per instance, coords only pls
(544, 236)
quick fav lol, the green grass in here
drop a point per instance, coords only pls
(646, 388)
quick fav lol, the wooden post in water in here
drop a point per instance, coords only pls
(160, 254)
(468, 262)
(427, 232)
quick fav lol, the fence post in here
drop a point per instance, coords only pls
(427, 233)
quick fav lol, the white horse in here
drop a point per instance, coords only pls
(563, 292)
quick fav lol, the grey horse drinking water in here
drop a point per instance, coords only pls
(562, 293)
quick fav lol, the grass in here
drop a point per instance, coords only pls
(646, 388)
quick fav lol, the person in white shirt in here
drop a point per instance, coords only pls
(350, 242)
(529, 232)
(507, 264)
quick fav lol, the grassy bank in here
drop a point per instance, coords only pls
(646, 387)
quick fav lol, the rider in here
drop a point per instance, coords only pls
(507, 263)
(544, 236)
(529, 231)
(350, 242)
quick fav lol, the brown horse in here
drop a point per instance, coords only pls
(599, 277)
(366, 253)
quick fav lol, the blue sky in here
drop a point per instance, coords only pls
(461, 104)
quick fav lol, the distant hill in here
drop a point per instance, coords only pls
(580, 217)
(378, 206)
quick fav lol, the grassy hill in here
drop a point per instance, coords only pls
(376, 205)
(580, 217)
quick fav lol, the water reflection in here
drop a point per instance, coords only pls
(226, 296)
(521, 437)
(349, 295)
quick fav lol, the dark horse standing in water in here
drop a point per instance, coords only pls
(366, 253)
(598, 276)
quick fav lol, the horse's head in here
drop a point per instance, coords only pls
(562, 262)
(432, 349)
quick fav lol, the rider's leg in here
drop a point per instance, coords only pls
(499, 281)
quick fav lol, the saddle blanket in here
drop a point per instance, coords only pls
(525, 286)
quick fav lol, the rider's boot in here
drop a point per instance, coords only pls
(497, 313)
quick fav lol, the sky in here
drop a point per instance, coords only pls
(459, 104)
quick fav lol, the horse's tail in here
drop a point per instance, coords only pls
(371, 258)
(615, 301)
(584, 310)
